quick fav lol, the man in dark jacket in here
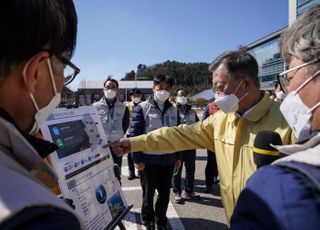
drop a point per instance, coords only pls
(188, 157)
(135, 96)
(157, 170)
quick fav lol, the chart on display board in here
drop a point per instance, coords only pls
(84, 168)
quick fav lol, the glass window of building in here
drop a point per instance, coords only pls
(269, 60)
(303, 5)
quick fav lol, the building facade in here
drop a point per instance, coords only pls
(267, 53)
(303, 5)
(266, 50)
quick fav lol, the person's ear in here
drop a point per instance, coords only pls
(32, 70)
(247, 83)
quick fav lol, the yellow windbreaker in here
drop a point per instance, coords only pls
(230, 136)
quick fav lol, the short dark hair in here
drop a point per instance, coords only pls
(111, 79)
(162, 78)
(135, 91)
(28, 26)
(239, 64)
(183, 90)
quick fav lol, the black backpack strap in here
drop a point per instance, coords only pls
(310, 174)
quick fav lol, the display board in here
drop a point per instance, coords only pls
(84, 167)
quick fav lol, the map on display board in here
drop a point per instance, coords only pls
(84, 168)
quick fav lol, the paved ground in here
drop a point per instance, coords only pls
(207, 213)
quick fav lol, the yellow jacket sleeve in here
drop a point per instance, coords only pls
(198, 135)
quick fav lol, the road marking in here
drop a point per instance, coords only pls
(133, 219)
(133, 188)
(173, 218)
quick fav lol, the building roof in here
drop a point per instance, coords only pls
(206, 94)
(265, 39)
(122, 84)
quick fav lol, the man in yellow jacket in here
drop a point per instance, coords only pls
(230, 133)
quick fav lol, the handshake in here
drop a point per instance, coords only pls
(119, 147)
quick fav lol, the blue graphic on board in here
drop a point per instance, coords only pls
(116, 204)
(101, 194)
(56, 131)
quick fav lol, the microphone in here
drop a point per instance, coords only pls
(263, 152)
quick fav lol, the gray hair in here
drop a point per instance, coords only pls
(302, 38)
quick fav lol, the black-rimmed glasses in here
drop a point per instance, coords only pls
(70, 70)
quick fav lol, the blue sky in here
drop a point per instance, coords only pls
(114, 36)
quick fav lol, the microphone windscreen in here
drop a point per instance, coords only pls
(263, 152)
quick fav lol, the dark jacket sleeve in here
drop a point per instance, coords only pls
(42, 217)
(252, 210)
(126, 120)
(137, 127)
(178, 118)
(275, 198)
(205, 113)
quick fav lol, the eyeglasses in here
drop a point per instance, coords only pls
(70, 70)
(283, 79)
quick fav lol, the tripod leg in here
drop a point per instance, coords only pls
(121, 226)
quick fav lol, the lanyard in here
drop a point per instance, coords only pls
(110, 113)
(111, 110)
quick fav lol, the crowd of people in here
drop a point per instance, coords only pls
(244, 110)
(162, 136)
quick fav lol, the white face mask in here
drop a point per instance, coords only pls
(136, 100)
(297, 113)
(182, 100)
(228, 103)
(110, 94)
(281, 95)
(42, 114)
(161, 95)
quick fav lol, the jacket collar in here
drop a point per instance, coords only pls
(307, 152)
(166, 106)
(43, 147)
(260, 109)
(103, 101)
(298, 147)
(19, 146)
